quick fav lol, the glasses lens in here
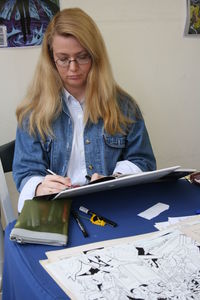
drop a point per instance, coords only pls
(83, 59)
(62, 62)
(195, 178)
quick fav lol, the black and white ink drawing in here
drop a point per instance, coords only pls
(165, 267)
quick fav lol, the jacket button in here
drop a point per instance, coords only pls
(90, 167)
(87, 141)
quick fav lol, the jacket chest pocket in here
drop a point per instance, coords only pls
(117, 141)
(113, 150)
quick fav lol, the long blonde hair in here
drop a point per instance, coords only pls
(42, 102)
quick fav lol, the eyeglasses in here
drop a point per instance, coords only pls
(82, 59)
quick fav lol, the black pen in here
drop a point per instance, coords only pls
(89, 212)
(80, 224)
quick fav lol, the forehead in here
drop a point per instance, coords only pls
(68, 45)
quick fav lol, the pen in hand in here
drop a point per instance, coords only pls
(50, 172)
(53, 173)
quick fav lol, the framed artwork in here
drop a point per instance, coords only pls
(192, 27)
(23, 22)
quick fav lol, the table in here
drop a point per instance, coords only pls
(23, 276)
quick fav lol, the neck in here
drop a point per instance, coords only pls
(79, 94)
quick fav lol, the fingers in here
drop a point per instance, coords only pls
(58, 180)
(96, 176)
(52, 184)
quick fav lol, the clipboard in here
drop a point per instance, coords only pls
(115, 183)
(111, 182)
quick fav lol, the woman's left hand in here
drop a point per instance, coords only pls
(96, 176)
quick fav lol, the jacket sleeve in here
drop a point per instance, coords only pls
(31, 157)
(138, 147)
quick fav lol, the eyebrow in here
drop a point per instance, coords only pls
(78, 53)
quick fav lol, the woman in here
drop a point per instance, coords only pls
(75, 120)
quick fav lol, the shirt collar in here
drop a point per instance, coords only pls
(69, 98)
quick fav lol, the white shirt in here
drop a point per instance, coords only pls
(77, 167)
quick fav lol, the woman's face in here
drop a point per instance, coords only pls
(73, 64)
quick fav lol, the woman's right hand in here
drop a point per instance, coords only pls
(52, 184)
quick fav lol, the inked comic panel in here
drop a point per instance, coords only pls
(23, 22)
(167, 267)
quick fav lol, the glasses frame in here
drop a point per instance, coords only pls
(66, 63)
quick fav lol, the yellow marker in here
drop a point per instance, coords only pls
(97, 221)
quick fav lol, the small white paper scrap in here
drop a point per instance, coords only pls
(154, 211)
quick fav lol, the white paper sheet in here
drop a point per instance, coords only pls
(173, 221)
(154, 211)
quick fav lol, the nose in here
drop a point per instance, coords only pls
(73, 65)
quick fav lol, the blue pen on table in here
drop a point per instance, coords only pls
(80, 224)
(91, 213)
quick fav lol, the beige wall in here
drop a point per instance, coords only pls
(151, 59)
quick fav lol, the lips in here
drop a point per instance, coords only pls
(74, 77)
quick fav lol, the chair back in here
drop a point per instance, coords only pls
(6, 155)
(6, 160)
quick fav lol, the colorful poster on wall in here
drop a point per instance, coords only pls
(192, 27)
(23, 22)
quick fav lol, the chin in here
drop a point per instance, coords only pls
(75, 84)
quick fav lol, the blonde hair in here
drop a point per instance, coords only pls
(42, 103)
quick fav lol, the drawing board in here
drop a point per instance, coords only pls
(128, 180)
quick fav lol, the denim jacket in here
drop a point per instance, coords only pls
(102, 150)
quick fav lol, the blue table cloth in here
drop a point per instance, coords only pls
(23, 276)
